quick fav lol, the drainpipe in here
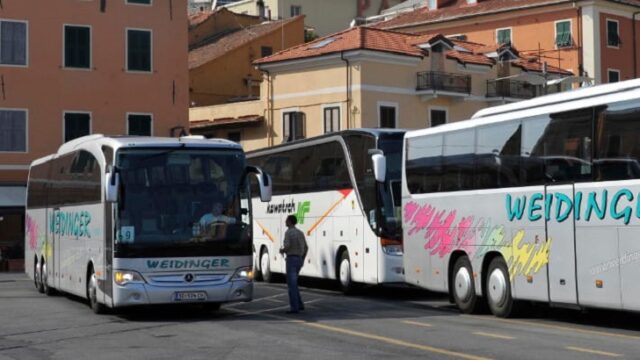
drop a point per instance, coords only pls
(580, 49)
(348, 89)
(269, 112)
(635, 45)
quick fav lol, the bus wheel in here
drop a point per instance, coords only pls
(44, 278)
(464, 290)
(344, 273)
(498, 289)
(92, 293)
(36, 276)
(265, 266)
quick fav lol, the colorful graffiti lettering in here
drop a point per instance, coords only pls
(72, 223)
(445, 231)
(32, 232)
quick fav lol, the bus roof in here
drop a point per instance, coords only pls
(582, 98)
(558, 98)
(117, 142)
(376, 132)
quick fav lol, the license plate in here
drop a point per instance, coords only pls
(191, 296)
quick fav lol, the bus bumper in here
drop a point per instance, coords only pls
(147, 294)
(391, 269)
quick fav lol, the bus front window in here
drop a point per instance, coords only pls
(181, 202)
(389, 193)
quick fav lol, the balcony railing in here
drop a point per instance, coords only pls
(441, 81)
(511, 89)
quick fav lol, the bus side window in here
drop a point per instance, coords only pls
(498, 156)
(458, 160)
(617, 147)
(424, 164)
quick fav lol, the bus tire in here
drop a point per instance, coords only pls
(36, 276)
(464, 290)
(265, 266)
(46, 289)
(92, 293)
(344, 273)
(498, 291)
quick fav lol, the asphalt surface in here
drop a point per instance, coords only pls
(376, 323)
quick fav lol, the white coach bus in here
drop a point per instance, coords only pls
(537, 201)
(119, 221)
(344, 189)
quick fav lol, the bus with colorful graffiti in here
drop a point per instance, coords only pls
(536, 201)
(125, 221)
(344, 188)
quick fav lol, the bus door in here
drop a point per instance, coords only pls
(562, 253)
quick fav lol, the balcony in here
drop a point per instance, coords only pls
(444, 82)
(510, 89)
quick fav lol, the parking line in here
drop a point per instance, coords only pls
(416, 323)
(396, 342)
(557, 327)
(592, 351)
(492, 335)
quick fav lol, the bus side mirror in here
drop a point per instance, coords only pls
(379, 166)
(264, 182)
(112, 184)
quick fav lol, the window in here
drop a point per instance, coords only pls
(139, 50)
(437, 117)
(76, 125)
(75, 179)
(296, 10)
(234, 136)
(142, 2)
(13, 42)
(424, 164)
(13, 130)
(458, 161)
(77, 46)
(617, 148)
(293, 126)
(38, 182)
(266, 51)
(613, 33)
(503, 36)
(331, 119)
(387, 116)
(498, 155)
(139, 124)
(614, 75)
(563, 34)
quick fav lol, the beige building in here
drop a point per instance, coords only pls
(364, 77)
(83, 67)
(323, 16)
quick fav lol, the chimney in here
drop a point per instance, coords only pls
(261, 9)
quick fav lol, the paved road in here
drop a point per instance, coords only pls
(376, 324)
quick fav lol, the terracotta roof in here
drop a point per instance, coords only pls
(465, 58)
(351, 39)
(220, 46)
(200, 17)
(460, 9)
(225, 122)
(537, 66)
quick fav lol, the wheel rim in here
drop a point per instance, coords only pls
(264, 264)
(345, 273)
(463, 284)
(497, 287)
(43, 277)
(93, 297)
(36, 275)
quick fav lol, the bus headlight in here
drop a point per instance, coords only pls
(391, 247)
(243, 273)
(124, 277)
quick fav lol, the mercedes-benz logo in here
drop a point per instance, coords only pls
(188, 278)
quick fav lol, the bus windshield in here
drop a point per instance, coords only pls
(182, 202)
(390, 191)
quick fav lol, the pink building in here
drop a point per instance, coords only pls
(79, 67)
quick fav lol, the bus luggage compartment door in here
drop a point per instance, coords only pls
(562, 252)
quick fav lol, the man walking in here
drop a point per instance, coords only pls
(295, 247)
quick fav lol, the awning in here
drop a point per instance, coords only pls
(243, 121)
(13, 196)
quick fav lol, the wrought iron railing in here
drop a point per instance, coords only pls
(436, 80)
(511, 89)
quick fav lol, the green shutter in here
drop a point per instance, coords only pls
(504, 36)
(563, 34)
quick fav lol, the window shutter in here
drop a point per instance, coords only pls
(286, 131)
(13, 50)
(299, 125)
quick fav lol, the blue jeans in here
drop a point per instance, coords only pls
(294, 264)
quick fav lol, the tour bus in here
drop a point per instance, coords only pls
(118, 220)
(537, 201)
(344, 189)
